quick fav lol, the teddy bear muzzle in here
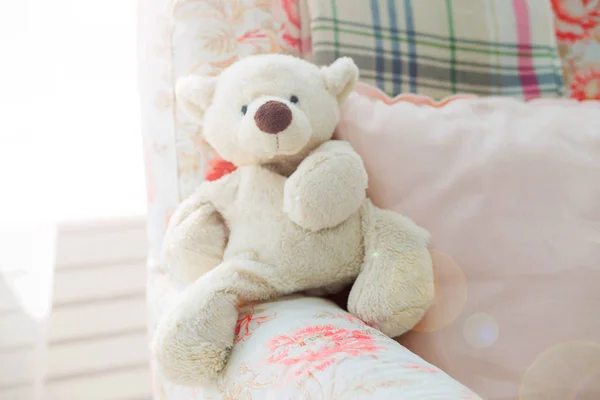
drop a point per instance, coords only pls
(273, 117)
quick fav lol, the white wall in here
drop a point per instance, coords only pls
(70, 141)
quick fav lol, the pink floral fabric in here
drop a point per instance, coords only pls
(318, 347)
(292, 15)
(578, 32)
(250, 320)
(306, 348)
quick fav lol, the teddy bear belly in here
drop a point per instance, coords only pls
(324, 257)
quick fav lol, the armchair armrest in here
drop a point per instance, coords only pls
(308, 348)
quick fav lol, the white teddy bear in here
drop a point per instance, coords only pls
(293, 216)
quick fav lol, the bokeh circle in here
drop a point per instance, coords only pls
(567, 371)
(450, 294)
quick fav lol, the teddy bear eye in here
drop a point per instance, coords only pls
(244, 109)
(294, 99)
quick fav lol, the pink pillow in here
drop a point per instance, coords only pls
(511, 194)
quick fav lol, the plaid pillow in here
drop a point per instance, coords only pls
(443, 47)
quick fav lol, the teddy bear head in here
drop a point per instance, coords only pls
(268, 109)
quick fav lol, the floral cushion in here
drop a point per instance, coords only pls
(306, 348)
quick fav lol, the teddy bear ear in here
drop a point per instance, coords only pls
(194, 94)
(341, 77)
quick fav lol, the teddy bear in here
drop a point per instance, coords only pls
(291, 217)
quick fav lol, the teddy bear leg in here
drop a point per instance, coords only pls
(194, 336)
(193, 340)
(395, 286)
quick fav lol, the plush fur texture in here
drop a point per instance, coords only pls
(292, 217)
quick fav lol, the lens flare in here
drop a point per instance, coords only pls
(567, 371)
(450, 294)
(481, 330)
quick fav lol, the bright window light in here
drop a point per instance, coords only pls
(70, 140)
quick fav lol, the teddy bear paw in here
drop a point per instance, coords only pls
(193, 365)
(399, 322)
(193, 340)
(325, 191)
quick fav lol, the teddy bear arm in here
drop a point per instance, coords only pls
(327, 187)
(196, 236)
(395, 286)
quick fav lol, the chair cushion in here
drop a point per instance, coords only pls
(439, 48)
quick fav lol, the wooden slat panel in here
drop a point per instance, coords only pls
(101, 282)
(28, 248)
(88, 246)
(18, 393)
(18, 329)
(98, 343)
(101, 354)
(8, 299)
(117, 385)
(18, 367)
(80, 227)
(88, 320)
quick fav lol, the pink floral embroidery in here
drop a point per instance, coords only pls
(150, 185)
(351, 318)
(576, 19)
(290, 29)
(345, 316)
(243, 383)
(234, 29)
(422, 368)
(287, 14)
(319, 346)
(248, 322)
(189, 162)
(586, 84)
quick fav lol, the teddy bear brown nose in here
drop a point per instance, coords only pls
(273, 117)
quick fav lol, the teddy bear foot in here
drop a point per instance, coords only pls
(199, 365)
(396, 286)
(186, 357)
(193, 340)
(400, 322)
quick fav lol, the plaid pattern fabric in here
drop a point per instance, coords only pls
(443, 47)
